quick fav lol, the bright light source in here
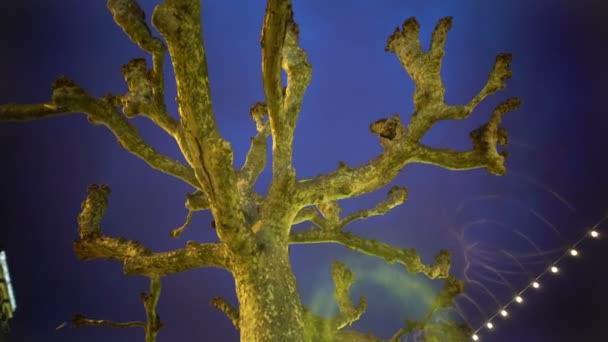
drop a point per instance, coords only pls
(554, 269)
(573, 252)
(535, 285)
(7, 278)
(475, 337)
(490, 325)
(504, 313)
(594, 233)
(519, 299)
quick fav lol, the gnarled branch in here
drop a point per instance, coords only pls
(255, 162)
(91, 243)
(151, 326)
(131, 18)
(68, 97)
(179, 22)
(222, 304)
(141, 98)
(401, 144)
(349, 312)
(276, 20)
(193, 255)
(331, 211)
(484, 153)
(196, 201)
(321, 329)
(396, 196)
(179, 230)
(137, 259)
(407, 257)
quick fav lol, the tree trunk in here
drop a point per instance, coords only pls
(269, 302)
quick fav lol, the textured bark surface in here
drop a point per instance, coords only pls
(270, 308)
(255, 231)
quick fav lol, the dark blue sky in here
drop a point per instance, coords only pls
(558, 140)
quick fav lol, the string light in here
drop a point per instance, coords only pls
(594, 233)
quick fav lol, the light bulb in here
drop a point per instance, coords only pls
(490, 325)
(554, 269)
(519, 299)
(504, 313)
(594, 233)
(573, 252)
(475, 337)
(535, 285)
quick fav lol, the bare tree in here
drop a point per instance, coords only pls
(255, 231)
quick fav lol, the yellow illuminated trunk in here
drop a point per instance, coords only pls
(269, 303)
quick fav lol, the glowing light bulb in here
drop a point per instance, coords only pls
(519, 299)
(573, 252)
(475, 337)
(490, 325)
(594, 233)
(535, 285)
(504, 313)
(554, 269)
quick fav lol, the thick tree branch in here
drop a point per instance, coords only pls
(279, 40)
(146, 87)
(310, 214)
(407, 257)
(137, 259)
(299, 73)
(222, 304)
(276, 20)
(131, 18)
(331, 211)
(68, 97)
(141, 97)
(255, 162)
(193, 255)
(484, 153)
(91, 243)
(401, 144)
(179, 22)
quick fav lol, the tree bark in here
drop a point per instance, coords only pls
(269, 302)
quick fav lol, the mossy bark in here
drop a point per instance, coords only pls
(269, 302)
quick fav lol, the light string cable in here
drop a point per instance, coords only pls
(572, 251)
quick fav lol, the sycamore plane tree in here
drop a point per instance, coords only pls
(255, 231)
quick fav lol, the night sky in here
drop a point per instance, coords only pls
(557, 149)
